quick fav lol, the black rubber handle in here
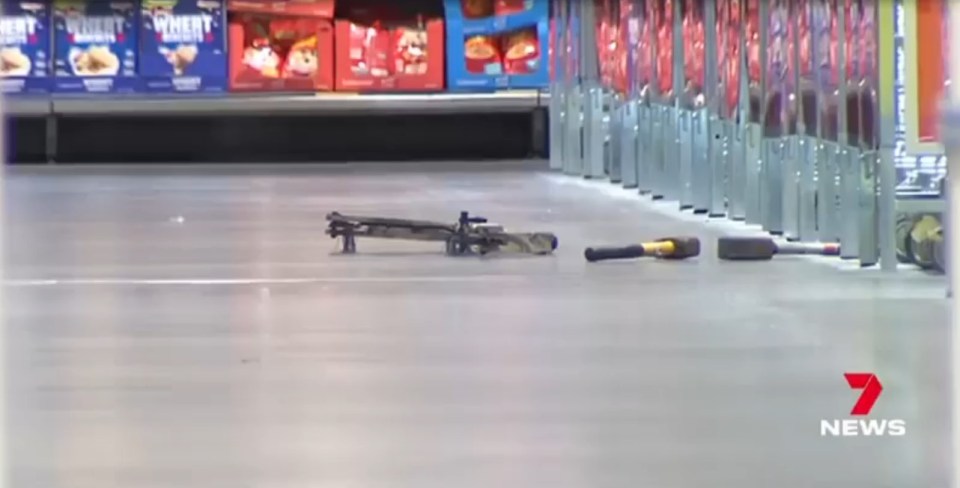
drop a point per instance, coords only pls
(604, 253)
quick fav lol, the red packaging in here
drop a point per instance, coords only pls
(665, 56)
(482, 51)
(621, 54)
(645, 57)
(550, 53)
(805, 39)
(693, 46)
(280, 46)
(521, 52)
(753, 41)
(419, 54)
(477, 9)
(853, 40)
(508, 7)
(381, 50)
(733, 57)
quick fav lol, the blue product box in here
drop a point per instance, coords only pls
(534, 12)
(539, 77)
(25, 47)
(459, 76)
(95, 46)
(471, 26)
(183, 46)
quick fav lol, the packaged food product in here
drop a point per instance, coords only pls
(412, 51)
(510, 7)
(476, 9)
(281, 46)
(95, 45)
(483, 55)
(25, 47)
(385, 49)
(521, 52)
(183, 45)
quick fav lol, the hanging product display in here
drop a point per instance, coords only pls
(664, 19)
(644, 47)
(777, 66)
(693, 49)
(734, 26)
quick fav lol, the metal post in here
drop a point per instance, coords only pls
(736, 124)
(791, 133)
(807, 144)
(612, 135)
(771, 185)
(573, 151)
(754, 129)
(714, 140)
(886, 74)
(952, 131)
(660, 111)
(826, 150)
(680, 171)
(629, 127)
(849, 177)
(593, 103)
(557, 84)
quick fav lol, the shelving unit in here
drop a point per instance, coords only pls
(323, 103)
(52, 114)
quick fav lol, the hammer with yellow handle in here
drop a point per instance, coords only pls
(667, 248)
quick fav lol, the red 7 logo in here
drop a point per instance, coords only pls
(870, 384)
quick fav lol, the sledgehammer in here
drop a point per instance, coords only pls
(763, 249)
(667, 248)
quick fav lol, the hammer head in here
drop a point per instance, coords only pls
(746, 248)
(683, 247)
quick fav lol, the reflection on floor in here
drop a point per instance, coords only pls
(181, 327)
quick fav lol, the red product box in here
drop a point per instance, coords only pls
(379, 50)
(281, 45)
(509, 7)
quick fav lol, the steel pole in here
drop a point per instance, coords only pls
(951, 131)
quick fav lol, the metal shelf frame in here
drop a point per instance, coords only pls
(763, 161)
(275, 104)
(333, 104)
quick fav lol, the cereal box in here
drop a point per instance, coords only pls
(24, 47)
(183, 46)
(95, 46)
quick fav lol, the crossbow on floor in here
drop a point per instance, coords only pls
(469, 235)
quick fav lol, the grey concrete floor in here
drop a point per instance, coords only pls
(189, 327)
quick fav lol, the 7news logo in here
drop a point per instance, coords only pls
(870, 384)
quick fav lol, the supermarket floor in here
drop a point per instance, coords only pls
(189, 327)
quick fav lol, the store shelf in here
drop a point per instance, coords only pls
(26, 107)
(325, 103)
